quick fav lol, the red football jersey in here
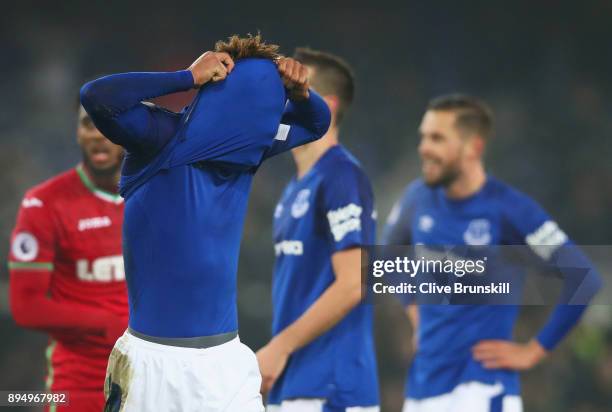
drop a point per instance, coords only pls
(71, 228)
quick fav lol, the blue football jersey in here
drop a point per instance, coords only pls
(329, 209)
(186, 181)
(495, 215)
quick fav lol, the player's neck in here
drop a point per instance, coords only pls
(469, 183)
(108, 183)
(306, 156)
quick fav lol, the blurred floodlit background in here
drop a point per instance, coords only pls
(543, 66)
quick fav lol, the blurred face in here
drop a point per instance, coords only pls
(442, 148)
(100, 155)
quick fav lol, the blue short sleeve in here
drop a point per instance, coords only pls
(348, 205)
(532, 226)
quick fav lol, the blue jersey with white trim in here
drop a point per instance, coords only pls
(329, 209)
(495, 215)
(186, 181)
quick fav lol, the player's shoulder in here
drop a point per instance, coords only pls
(417, 186)
(414, 191)
(340, 172)
(338, 163)
(515, 206)
(50, 189)
(510, 197)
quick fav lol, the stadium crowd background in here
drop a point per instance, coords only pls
(543, 66)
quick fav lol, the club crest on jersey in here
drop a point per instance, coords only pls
(300, 204)
(25, 247)
(478, 233)
(426, 222)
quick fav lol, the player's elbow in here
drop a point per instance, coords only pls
(24, 303)
(351, 291)
(91, 96)
(596, 281)
(588, 287)
(355, 295)
(88, 96)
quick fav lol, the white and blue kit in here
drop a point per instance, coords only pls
(329, 209)
(186, 181)
(444, 376)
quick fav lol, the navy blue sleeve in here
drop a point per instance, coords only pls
(302, 122)
(115, 104)
(534, 227)
(397, 230)
(581, 283)
(348, 206)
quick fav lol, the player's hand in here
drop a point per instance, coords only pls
(295, 78)
(211, 66)
(502, 354)
(272, 359)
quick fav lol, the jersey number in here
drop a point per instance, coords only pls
(106, 269)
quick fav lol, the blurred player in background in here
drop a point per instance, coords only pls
(66, 269)
(465, 357)
(186, 182)
(322, 355)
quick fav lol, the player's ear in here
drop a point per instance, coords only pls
(478, 146)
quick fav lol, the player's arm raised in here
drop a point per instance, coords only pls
(307, 117)
(115, 102)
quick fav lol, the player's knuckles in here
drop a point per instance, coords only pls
(223, 56)
(291, 70)
(298, 69)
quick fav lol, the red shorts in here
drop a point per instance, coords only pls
(80, 402)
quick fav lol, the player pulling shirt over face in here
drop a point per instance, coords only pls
(186, 181)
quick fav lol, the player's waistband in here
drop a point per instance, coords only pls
(197, 342)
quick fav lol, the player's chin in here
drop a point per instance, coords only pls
(432, 179)
(104, 168)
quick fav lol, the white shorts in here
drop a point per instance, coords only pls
(314, 405)
(149, 377)
(470, 396)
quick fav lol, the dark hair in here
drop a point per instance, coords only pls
(332, 76)
(251, 46)
(473, 114)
